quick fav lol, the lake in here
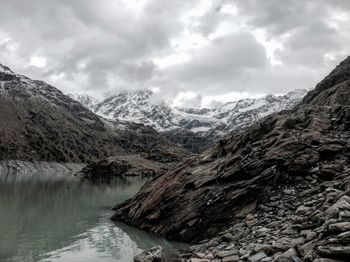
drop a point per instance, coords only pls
(58, 217)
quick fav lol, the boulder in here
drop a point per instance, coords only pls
(154, 254)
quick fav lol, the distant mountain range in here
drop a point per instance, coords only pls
(192, 128)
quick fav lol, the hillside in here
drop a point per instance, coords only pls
(280, 186)
(39, 122)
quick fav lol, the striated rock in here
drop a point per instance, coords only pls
(335, 251)
(154, 254)
(257, 257)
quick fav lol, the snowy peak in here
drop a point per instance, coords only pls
(6, 73)
(136, 106)
(86, 100)
(143, 107)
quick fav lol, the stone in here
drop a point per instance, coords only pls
(307, 248)
(327, 260)
(198, 260)
(234, 258)
(154, 254)
(227, 237)
(288, 191)
(251, 223)
(285, 243)
(289, 256)
(334, 251)
(304, 210)
(227, 253)
(250, 216)
(339, 227)
(257, 257)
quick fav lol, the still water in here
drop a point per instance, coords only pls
(60, 218)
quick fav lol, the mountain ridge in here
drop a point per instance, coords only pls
(194, 129)
(39, 122)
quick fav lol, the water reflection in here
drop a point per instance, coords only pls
(58, 217)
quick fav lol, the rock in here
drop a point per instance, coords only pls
(304, 210)
(231, 258)
(257, 257)
(285, 243)
(306, 249)
(228, 253)
(227, 237)
(327, 260)
(251, 223)
(288, 191)
(339, 227)
(288, 256)
(334, 251)
(154, 254)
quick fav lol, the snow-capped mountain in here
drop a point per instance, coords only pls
(143, 107)
(189, 126)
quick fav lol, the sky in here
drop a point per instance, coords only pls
(190, 52)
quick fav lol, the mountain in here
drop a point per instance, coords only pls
(39, 122)
(194, 129)
(278, 190)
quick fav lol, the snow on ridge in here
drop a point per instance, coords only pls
(140, 106)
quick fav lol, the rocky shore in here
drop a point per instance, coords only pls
(32, 167)
(305, 221)
(132, 165)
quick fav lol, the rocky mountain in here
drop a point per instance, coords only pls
(39, 122)
(194, 129)
(278, 191)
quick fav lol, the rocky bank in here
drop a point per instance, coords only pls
(279, 191)
(131, 165)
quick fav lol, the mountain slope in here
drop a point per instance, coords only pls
(194, 129)
(305, 150)
(39, 122)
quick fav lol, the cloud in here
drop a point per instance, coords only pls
(207, 48)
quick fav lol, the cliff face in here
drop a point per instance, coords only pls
(208, 193)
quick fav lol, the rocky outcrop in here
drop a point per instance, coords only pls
(132, 165)
(276, 172)
(154, 254)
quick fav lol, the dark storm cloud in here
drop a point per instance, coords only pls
(99, 46)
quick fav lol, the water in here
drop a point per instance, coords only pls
(60, 218)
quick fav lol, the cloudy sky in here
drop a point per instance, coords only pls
(196, 51)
